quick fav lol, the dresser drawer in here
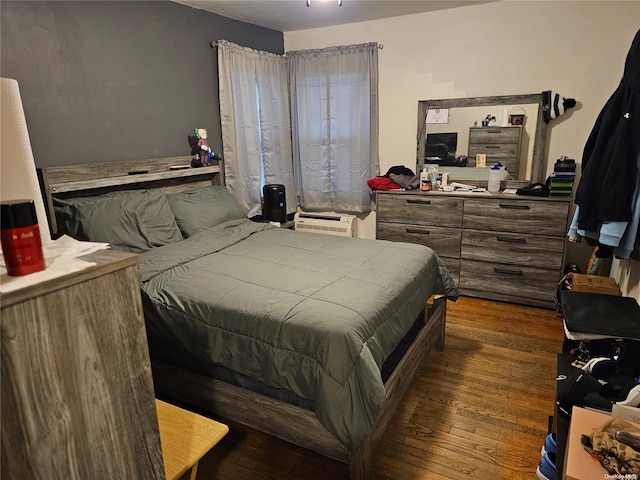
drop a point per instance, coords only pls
(516, 249)
(516, 281)
(494, 150)
(443, 240)
(494, 135)
(517, 216)
(420, 210)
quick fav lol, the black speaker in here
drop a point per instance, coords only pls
(274, 207)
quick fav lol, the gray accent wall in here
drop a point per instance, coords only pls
(103, 81)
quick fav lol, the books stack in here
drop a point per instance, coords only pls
(561, 184)
(562, 178)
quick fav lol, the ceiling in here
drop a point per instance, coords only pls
(291, 15)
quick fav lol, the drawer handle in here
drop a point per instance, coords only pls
(494, 131)
(515, 207)
(507, 271)
(492, 146)
(417, 230)
(511, 240)
(421, 202)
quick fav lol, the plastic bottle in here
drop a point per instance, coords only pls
(433, 177)
(425, 183)
(495, 175)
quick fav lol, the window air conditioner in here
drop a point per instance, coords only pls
(328, 223)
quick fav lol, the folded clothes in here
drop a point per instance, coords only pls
(382, 183)
(408, 182)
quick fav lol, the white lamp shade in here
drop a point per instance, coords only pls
(18, 177)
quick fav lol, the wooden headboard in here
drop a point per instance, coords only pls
(174, 174)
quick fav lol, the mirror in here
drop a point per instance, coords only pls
(448, 124)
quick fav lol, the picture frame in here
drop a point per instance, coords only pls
(516, 119)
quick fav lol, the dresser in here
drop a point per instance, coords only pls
(502, 247)
(77, 398)
(499, 144)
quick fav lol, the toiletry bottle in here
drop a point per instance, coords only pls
(433, 177)
(425, 183)
(495, 175)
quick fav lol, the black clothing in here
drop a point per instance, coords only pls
(399, 170)
(609, 169)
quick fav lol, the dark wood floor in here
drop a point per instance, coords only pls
(480, 409)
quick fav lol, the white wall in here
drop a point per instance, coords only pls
(574, 48)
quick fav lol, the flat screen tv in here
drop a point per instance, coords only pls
(436, 141)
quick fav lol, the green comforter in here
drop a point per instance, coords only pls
(315, 314)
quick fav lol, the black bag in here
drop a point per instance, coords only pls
(609, 326)
(604, 315)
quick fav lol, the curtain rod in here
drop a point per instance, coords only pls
(214, 44)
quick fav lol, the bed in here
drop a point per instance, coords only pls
(308, 337)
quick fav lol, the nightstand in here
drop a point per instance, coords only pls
(77, 395)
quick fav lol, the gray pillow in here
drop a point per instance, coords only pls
(133, 221)
(205, 207)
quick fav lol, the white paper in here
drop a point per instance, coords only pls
(438, 115)
(60, 257)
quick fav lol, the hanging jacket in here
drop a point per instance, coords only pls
(609, 170)
(618, 234)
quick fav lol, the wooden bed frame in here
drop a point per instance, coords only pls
(288, 422)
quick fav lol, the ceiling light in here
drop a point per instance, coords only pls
(309, 3)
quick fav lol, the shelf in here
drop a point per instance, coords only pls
(133, 179)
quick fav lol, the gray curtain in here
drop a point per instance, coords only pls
(334, 112)
(256, 128)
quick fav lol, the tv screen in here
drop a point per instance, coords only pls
(448, 139)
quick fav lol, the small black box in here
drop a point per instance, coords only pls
(564, 164)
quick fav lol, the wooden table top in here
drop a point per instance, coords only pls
(185, 437)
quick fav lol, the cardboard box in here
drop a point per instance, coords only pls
(578, 464)
(625, 412)
(595, 284)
